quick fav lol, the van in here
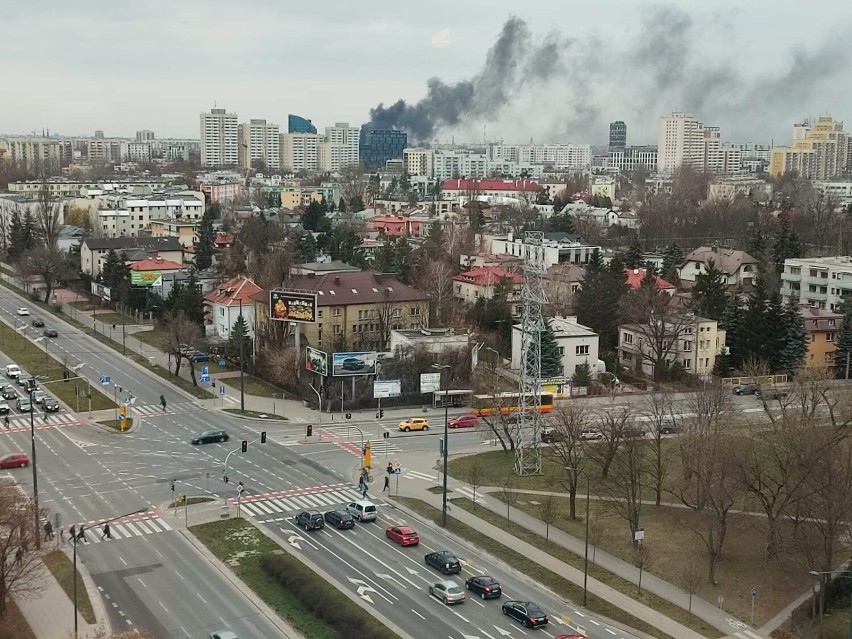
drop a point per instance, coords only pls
(363, 510)
(13, 371)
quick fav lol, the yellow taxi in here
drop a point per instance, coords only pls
(414, 423)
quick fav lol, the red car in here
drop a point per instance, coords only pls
(467, 420)
(403, 535)
(14, 460)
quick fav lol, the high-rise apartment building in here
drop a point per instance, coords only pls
(617, 135)
(259, 141)
(418, 161)
(563, 156)
(36, 153)
(219, 138)
(819, 152)
(339, 148)
(298, 124)
(717, 157)
(680, 141)
(630, 158)
(299, 151)
(145, 135)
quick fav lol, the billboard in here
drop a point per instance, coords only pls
(144, 278)
(101, 291)
(430, 382)
(348, 364)
(287, 306)
(387, 388)
(316, 361)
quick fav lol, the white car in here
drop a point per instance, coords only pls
(591, 434)
(23, 311)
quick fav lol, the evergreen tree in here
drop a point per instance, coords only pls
(356, 203)
(192, 303)
(844, 343)
(384, 257)
(30, 233)
(633, 258)
(551, 360)
(111, 264)
(16, 236)
(649, 279)
(434, 244)
(402, 260)
(598, 297)
(672, 258)
(206, 235)
(794, 342)
(775, 333)
(722, 367)
(710, 292)
(787, 244)
(341, 205)
(314, 219)
(732, 322)
(756, 246)
(240, 334)
(560, 223)
(306, 247)
(582, 375)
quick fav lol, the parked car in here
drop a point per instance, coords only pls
(403, 535)
(668, 427)
(23, 405)
(340, 519)
(445, 561)
(550, 435)
(38, 396)
(414, 423)
(632, 431)
(210, 436)
(484, 586)
(310, 519)
(50, 332)
(23, 310)
(591, 434)
(4, 407)
(468, 420)
(50, 404)
(199, 357)
(9, 392)
(37, 323)
(447, 591)
(14, 460)
(526, 612)
(745, 389)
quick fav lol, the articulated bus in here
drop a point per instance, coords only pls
(506, 403)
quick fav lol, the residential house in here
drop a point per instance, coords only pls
(738, 267)
(93, 250)
(479, 283)
(560, 284)
(578, 345)
(183, 231)
(558, 248)
(822, 327)
(635, 277)
(223, 305)
(396, 225)
(323, 268)
(148, 271)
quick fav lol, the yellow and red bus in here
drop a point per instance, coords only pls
(507, 403)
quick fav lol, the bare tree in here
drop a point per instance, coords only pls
(181, 332)
(598, 529)
(690, 579)
(614, 423)
(508, 495)
(438, 282)
(548, 510)
(475, 474)
(48, 216)
(20, 560)
(45, 261)
(388, 316)
(353, 184)
(629, 471)
(643, 558)
(568, 447)
(659, 410)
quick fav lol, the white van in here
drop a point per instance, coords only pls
(363, 510)
(13, 371)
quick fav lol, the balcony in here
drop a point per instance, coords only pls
(791, 277)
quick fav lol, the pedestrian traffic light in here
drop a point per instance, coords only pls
(225, 478)
(263, 437)
(309, 430)
(245, 445)
(386, 435)
(381, 413)
(173, 485)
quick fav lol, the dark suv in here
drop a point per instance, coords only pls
(445, 561)
(310, 519)
(340, 519)
(50, 405)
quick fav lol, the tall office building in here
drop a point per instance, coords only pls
(219, 138)
(617, 135)
(259, 141)
(298, 124)
(680, 141)
(339, 148)
(820, 151)
(380, 145)
(145, 135)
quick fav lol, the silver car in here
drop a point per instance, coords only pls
(447, 591)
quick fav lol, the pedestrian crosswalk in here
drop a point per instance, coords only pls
(747, 634)
(22, 422)
(277, 508)
(124, 529)
(155, 410)
(464, 491)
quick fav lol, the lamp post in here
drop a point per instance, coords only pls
(30, 388)
(442, 367)
(586, 553)
(820, 575)
(74, 543)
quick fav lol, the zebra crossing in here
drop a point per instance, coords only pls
(464, 491)
(268, 507)
(155, 410)
(747, 634)
(126, 529)
(21, 422)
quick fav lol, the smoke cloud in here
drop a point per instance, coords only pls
(557, 88)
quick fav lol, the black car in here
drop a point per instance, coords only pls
(445, 561)
(50, 405)
(668, 427)
(37, 323)
(210, 436)
(745, 389)
(310, 519)
(484, 586)
(23, 380)
(550, 435)
(9, 392)
(353, 364)
(340, 519)
(527, 613)
(50, 332)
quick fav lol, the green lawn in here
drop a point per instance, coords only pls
(63, 570)
(115, 318)
(255, 414)
(156, 337)
(253, 386)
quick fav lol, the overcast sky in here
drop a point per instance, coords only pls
(752, 68)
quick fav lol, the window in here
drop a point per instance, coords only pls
(829, 337)
(397, 312)
(687, 346)
(336, 311)
(360, 314)
(336, 329)
(221, 311)
(627, 357)
(415, 310)
(583, 349)
(354, 328)
(687, 363)
(319, 314)
(561, 351)
(627, 338)
(831, 322)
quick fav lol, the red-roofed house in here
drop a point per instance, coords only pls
(480, 282)
(636, 275)
(489, 189)
(396, 225)
(222, 306)
(223, 240)
(147, 271)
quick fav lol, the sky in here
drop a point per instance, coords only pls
(542, 70)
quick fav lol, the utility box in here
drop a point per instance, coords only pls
(224, 512)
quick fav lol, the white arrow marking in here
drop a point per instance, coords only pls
(292, 539)
(390, 578)
(471, 636)
(363, 588)
(411, 571)
(502, 632)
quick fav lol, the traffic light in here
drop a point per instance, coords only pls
(173, 485)
(225, 478)
(309, 430)
(386, 435)
(263, 437)
(381, 413)
(245, 445)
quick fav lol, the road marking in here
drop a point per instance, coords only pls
(612, 632)
(418, 614)
(413, 474)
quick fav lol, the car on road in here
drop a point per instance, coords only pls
(550, 435)
(340, 519)
(363, 510)
(310, 520)
(14, 460)
(770, 393)
(23, 310)
(23, 405)
(632, 431)
(210, 436)
(37, 323)
(468, 420)
(199, 357)
(668, 427)
(50, 404)
(23, 380)
(353, 364)
(403, 535)
(526, 612)
(12, 371)
(414, 423)
(447, 591)
(570, 637)
(590, 434)
(4, 407)
(38, 396)
(745, 389)
(50, 332)
(445, 561)
(223, 634)
(484, 586)
(8, 391)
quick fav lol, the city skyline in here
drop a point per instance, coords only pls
(685, 60)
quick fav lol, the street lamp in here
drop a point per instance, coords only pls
(820, 574)
(31, 384)
(442, 367)
(74, 543)
(586, 555)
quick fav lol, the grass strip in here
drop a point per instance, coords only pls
(252, 386)
(243, 548)
(255, 414)
(536, 571)
(62, 568)
(115, 424)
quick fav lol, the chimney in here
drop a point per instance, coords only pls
(635, 271)
(337, 280)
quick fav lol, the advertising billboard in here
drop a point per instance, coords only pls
(287, 306)
(387, 388)
(101, 291)
(144, 278)
(348, 364)
(430, 382)
(316, 361)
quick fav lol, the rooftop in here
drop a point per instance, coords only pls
(232, 292)
(637, 275)
(727, 260)
(155, 264)
(487, 276)
(566, 327)
(490, 185)
(126, 243)
(354, 287)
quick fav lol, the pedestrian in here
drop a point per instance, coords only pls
(19, 556)
(62, 537)
(73, 532)
(81, 536)
(6, 421)
(106, 533)
(163, 401)
(387, 484)
(389, 468)
(48, 531)
(364, 489)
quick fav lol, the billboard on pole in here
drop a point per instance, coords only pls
(387, 388)
(289, 306)
(316, 361)
(348, 364)
(430, 382)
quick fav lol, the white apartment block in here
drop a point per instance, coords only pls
(131, 216)
(818, 281)
(259, 141)
(560, 156)
(219, 138)
(299, 151)
(418, 161)
(451, 164)
(693, 341)
(138, 152)
(841, 192)
(630, 158)
(559, 248)
(32, 152)
(679, 141)
(340, 147)
(104, 150)
(145, 135)
(577, 345)
(716, 157)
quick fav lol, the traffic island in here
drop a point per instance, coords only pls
(115, 424)
(253, 414)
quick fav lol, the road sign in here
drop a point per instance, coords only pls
(104, 380)
(221, 390)
(221, 363)
(753, 593)
(205, 370)
(204, 378)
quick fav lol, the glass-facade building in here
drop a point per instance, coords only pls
(380, 145)
(298, 124)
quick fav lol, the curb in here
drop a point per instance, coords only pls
(277, 420)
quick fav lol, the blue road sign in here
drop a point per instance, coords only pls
(204, 378)
(205, 370)
(222, 363)
(104, 380)
(221, 390)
